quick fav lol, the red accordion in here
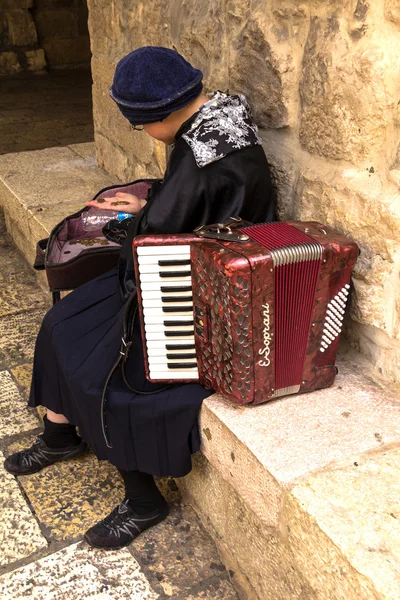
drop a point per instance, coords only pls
(253, 312)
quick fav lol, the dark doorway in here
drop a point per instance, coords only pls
(45, 77)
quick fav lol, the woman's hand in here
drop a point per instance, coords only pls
(127, 203)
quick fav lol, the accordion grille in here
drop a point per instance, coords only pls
(297, 260)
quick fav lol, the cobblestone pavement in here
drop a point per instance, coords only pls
(43, 516)
(45, 109)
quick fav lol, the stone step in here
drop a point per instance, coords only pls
(300, 494)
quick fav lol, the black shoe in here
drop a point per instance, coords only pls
(39, 455)
(122, 526)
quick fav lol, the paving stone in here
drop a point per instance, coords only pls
(16, 297)
(178, 552)
(18, 335)
(23, 375)
(69, 497)
(79, 573)
(20, 535)
(169, 489)
(15, 417)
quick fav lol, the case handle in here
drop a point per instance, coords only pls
(40, 254)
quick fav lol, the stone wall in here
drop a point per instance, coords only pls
(19, 47)
(322, 78)
(36, 33)
(63, 31)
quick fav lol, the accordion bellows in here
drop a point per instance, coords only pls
(254, 319)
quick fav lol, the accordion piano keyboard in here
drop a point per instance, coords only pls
(166, 289)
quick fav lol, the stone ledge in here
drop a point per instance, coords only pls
(272, 506)
(38, 189)
(278, 462)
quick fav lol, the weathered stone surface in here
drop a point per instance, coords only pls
(86, 150)
(71, 496)
(213, 590)
(144, 157)
(258, 561)
(382, 352)
(16, 296)
(39, 189)
(15, 416)
(198, 30)
(179, 553)
(347, 92)
(20, 535)
(23, 375)
(21, 28)
(35, 59)
(9, 63)
(64, 52)
(16, 341)
(79, 572)
(260, 450)
(351, 514)
(57, 24)
(392, 11)
(256, 71)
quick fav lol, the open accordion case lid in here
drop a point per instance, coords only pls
(74, 252)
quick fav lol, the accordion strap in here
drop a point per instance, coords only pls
(129, 318)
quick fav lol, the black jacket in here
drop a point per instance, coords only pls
(237, 185)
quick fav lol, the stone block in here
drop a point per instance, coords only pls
(347, 93)
(198, 31)
(392, 11)
(114, 160)
(56, 24)
(382, 352)
(20, 535)
(141, 156)
(254, 69)
(259, 564)
(260, 450)
(35, 60)
(21, 28)
(79, 572)
(9, 63)
(68, 52)
(343, 527)
(47, 186)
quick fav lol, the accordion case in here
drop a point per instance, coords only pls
(74, 254)
(253, 312)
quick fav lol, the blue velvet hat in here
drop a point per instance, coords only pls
(152, 82)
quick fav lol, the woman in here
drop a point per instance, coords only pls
(217, 169)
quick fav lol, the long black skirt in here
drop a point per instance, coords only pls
(76, 347)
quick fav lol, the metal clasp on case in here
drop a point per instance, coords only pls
(223, 231)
